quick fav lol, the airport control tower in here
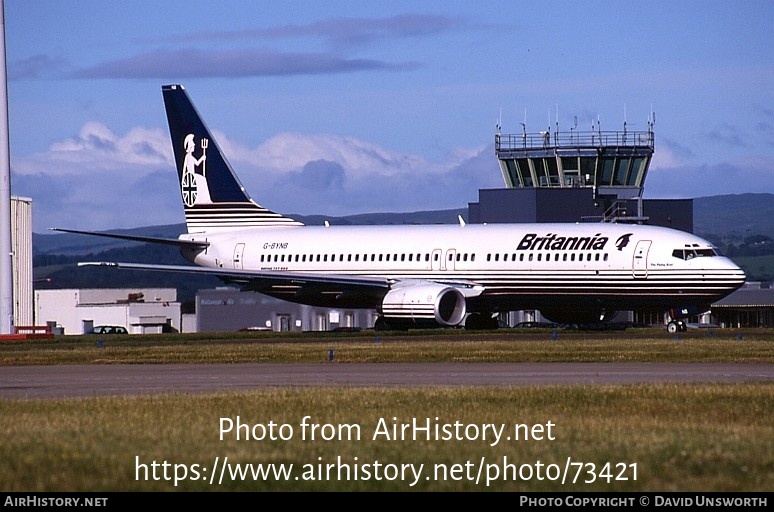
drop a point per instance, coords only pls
(577, 176)
(612, 163)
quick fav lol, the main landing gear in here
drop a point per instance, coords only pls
(479, 321)
(474, 321)
(675, 326)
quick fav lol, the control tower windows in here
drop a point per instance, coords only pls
(511, 175)
(588, 167)
(636, 173)
(524, 172)
(553, 172)
(540, 172)
(621, 170)
(547, 172)
(570, 170)
(517, 173)
(605, 160)
(607, 170)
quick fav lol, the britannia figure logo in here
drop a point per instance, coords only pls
(194, 185)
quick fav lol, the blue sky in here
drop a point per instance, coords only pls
(362, 106)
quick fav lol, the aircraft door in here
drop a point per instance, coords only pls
(451, 255)
(436, 260)
(238, 253)
(640, 259)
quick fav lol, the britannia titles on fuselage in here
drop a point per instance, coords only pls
(552, 241)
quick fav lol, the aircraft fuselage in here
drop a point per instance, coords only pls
(541, 266)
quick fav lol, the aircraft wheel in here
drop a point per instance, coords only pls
(473, 322)
(492, 323)
(380, 324)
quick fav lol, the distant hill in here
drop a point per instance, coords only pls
(734, 216)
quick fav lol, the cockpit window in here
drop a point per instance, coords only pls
(689, 254)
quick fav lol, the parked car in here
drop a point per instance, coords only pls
(108, 329)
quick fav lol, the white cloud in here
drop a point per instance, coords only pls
(97, 150)
(670, 154)
(290, 152)
(101, 180)
(360, 177)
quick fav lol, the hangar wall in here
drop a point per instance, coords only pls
(21, 259)
(228, 309)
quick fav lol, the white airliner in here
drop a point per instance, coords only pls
(428, 275)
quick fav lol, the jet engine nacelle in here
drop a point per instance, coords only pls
(429, 305)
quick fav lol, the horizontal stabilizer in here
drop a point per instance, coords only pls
(194, 244)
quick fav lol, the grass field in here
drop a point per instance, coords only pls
(662, 437)
(508, 345)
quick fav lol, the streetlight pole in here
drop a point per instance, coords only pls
(6, 260)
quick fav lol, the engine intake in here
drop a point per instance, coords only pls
(428, 305)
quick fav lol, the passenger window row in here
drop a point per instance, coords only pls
(451, 256)
(550, 256)
(303, 258)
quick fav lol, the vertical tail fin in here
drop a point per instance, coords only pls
(213, 197)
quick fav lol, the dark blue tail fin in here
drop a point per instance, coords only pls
(213, 197)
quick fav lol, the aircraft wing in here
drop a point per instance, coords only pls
(293, 286)
(316, 289)
(238, 275)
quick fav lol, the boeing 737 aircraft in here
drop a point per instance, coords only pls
(428, 275)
